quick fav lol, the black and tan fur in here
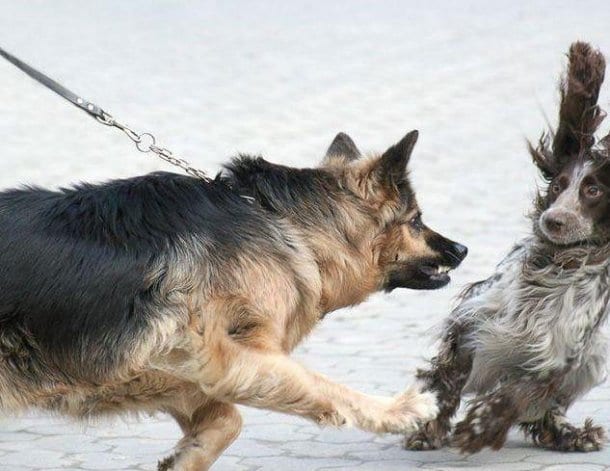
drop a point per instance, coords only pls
(167, 293)
(527, 342)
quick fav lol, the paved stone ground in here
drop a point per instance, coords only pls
(281, 79)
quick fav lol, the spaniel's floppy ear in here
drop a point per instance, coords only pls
(543, 157)
(579, 114)
(342, 147)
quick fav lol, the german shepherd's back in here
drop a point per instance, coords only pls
(84, 272)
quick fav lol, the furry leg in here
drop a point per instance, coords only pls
(490, 417)
(554, 432)
(229, 371)
(274, 381)
(208, 431)
(487, 423)
(446, 377)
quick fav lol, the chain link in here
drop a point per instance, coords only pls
(145, 142)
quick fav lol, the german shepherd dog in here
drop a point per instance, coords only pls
(527, 341)
(169, 293)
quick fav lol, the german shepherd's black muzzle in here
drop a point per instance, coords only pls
(432, 270)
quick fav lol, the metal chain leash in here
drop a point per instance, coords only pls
(145, 142)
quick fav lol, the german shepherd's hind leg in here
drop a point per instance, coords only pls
(264, 377)
(208, 431)
(446, 377)
(554, 432)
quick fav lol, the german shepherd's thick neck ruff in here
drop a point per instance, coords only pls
(527, 341)
(167, 293)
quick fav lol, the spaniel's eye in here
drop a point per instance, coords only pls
(592, 191)
(556, 188)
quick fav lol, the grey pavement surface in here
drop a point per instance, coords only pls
(281, 79)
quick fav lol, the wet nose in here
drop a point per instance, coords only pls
(460, 250)
(554, 222)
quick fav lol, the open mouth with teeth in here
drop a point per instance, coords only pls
(436, 273)
(423, 275)
(426, 272)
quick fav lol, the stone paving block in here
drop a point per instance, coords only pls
(261, 447)
(69, 445)
(574, 467)
(311, 449)
(140, 448)
(279, 433)
(106, 460)
(301, 464)
(376, 465)
(465, 466)
(34, 458)
(550, 458)
(230, 463)
(397, 453)
(331, 435)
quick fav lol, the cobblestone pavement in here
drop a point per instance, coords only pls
(281, 79)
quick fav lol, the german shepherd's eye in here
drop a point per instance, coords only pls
(415, 222)
(592, 191)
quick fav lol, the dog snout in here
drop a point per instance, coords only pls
(555, 222)
(564, 227)
(456, 253)
(460, 250)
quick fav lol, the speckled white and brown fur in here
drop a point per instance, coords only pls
(527, 341)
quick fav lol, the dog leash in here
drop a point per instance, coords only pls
(145, 142)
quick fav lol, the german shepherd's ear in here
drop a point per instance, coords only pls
(342, 147)
(579, 114)
(392, 166)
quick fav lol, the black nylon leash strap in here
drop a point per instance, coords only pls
(90, 108)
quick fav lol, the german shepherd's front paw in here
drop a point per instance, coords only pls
(409, 410)
(331, 419)
(429, 436)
